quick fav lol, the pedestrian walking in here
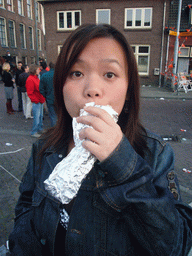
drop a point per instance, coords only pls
(8, 83)
(19, 95)
(47, 90)
(27, 104)
(96, 185)
(37, 99)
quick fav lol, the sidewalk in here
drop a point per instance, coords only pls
(164, 93)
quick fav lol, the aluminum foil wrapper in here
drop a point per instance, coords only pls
(66, 178)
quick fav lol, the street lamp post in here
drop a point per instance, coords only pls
(176, 48)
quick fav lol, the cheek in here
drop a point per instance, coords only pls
(119, 99)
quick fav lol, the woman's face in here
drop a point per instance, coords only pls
(38, 71)
(99, 75)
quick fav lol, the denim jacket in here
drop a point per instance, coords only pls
(126, 205)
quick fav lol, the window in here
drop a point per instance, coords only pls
(29, 9)
(184, 51)
(10, 5)
(12, 33)
(24, 60)
(31, 41)
(20, 7)
(39, 38)
(32, 60)
(37, 11)
(3, 35)
(103, 16)
(138, 18)
(2, 4)
(22, 35)
(68, 20)
(142, 54)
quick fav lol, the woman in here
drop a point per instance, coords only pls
(37, 99)
(27, 104)
(8, 83)
(129, 202)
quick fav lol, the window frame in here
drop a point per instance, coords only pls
(24, 60)
(2, 4)
(142, 26)
(20, 8)
(39, 39)
(183, 55)
(10, 5)
(100, 10)
(32, 59)
(138, 54)
(29, 9)
(14, 34)
(65, 28)
(31, 38)
(24, 36)
(37, 11)
(5, 33)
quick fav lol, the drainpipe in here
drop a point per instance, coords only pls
(176, 48)
(36, 34)
(167, 58)
(162, 44)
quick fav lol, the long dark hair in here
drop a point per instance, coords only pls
(129, 117)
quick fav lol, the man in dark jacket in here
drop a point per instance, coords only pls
(46, 89)
(18, 72)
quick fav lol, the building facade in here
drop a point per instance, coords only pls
(142, 22)
(20, 33)
(184, 51)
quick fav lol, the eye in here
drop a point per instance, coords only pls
(76, 74)
(110, 75)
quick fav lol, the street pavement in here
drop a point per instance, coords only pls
(162, 111)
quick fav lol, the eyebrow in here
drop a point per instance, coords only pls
(102, 60)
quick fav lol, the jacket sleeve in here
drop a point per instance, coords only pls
(30, 87)
(22, 240)
(160, 222)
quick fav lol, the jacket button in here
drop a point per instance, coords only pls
(171, 175)
(43, 241)
(60, 155)
(101, 174)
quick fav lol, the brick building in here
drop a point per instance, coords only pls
(20, 34)
(142, 22)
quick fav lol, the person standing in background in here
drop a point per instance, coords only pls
(37, 99)
(43, 66)
(27, 104)
(46, 89)
(18, 72)
(8, 83)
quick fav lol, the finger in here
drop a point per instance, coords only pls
(100, 113)
(93, 121)
(90, 134)
(93, 148)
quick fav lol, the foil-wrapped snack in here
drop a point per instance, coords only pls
(65, 180)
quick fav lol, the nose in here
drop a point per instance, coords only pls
(92, 93)
(93, 89)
